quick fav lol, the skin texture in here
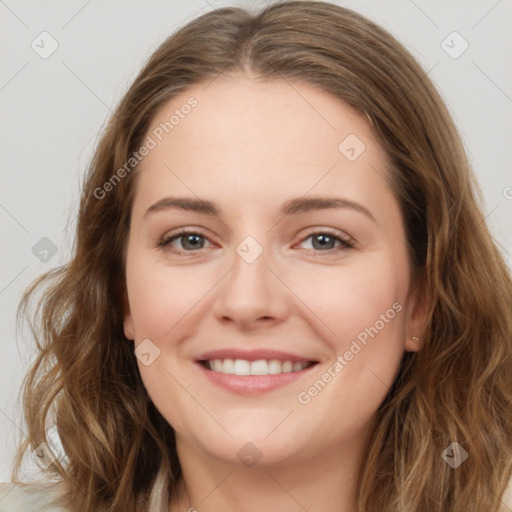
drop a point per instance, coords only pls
(249, 146)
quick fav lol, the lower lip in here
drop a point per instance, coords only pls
(253, 384)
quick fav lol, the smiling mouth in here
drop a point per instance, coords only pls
(244, 367)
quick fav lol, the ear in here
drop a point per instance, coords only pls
(129, 330)
(417, 311)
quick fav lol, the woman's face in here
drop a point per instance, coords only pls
(280, 272)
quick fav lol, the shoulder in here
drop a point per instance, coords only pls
(32, 497)
(506, 499)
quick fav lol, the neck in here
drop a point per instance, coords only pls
(321, 483)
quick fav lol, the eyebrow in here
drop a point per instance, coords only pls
(295, 206)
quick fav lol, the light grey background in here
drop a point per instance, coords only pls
(52, 110)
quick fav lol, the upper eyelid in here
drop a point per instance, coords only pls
(343, 237)
(184, 232)
(310, 231)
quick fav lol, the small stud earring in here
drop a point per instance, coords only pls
(415, 338)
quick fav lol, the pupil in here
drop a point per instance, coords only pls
(191, 237)
(324, 238)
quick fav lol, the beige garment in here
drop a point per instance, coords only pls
(33, 497)
(45, 497)
(48, 497)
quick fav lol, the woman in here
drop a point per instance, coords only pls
(199, 352)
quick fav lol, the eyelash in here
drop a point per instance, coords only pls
(346, 242)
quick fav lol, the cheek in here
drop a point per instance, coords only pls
(162, 302)
(160, 296)
(365, 307)
(352, 298)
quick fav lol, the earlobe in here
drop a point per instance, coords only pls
(129, 330)
(413, 344)
(128, 327)
(418, 309)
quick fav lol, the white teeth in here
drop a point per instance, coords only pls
(242, 367)
(259, 367)
(274, 367)
(226, 366)
(287, 367)
(217, 365)
(297, 366)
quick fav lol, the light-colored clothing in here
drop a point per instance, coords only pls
(34, 497)
(47, 497)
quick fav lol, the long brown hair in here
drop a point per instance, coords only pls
(457, 388)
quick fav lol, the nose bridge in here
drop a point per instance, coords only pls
(250, 290)
(249, 278)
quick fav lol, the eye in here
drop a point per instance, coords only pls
(324, 241)
(190, 240)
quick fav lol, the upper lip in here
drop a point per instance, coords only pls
(252, 355)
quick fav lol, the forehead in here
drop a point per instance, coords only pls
(260, 137)
(247, 112)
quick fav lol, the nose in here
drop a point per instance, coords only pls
(252, 294)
